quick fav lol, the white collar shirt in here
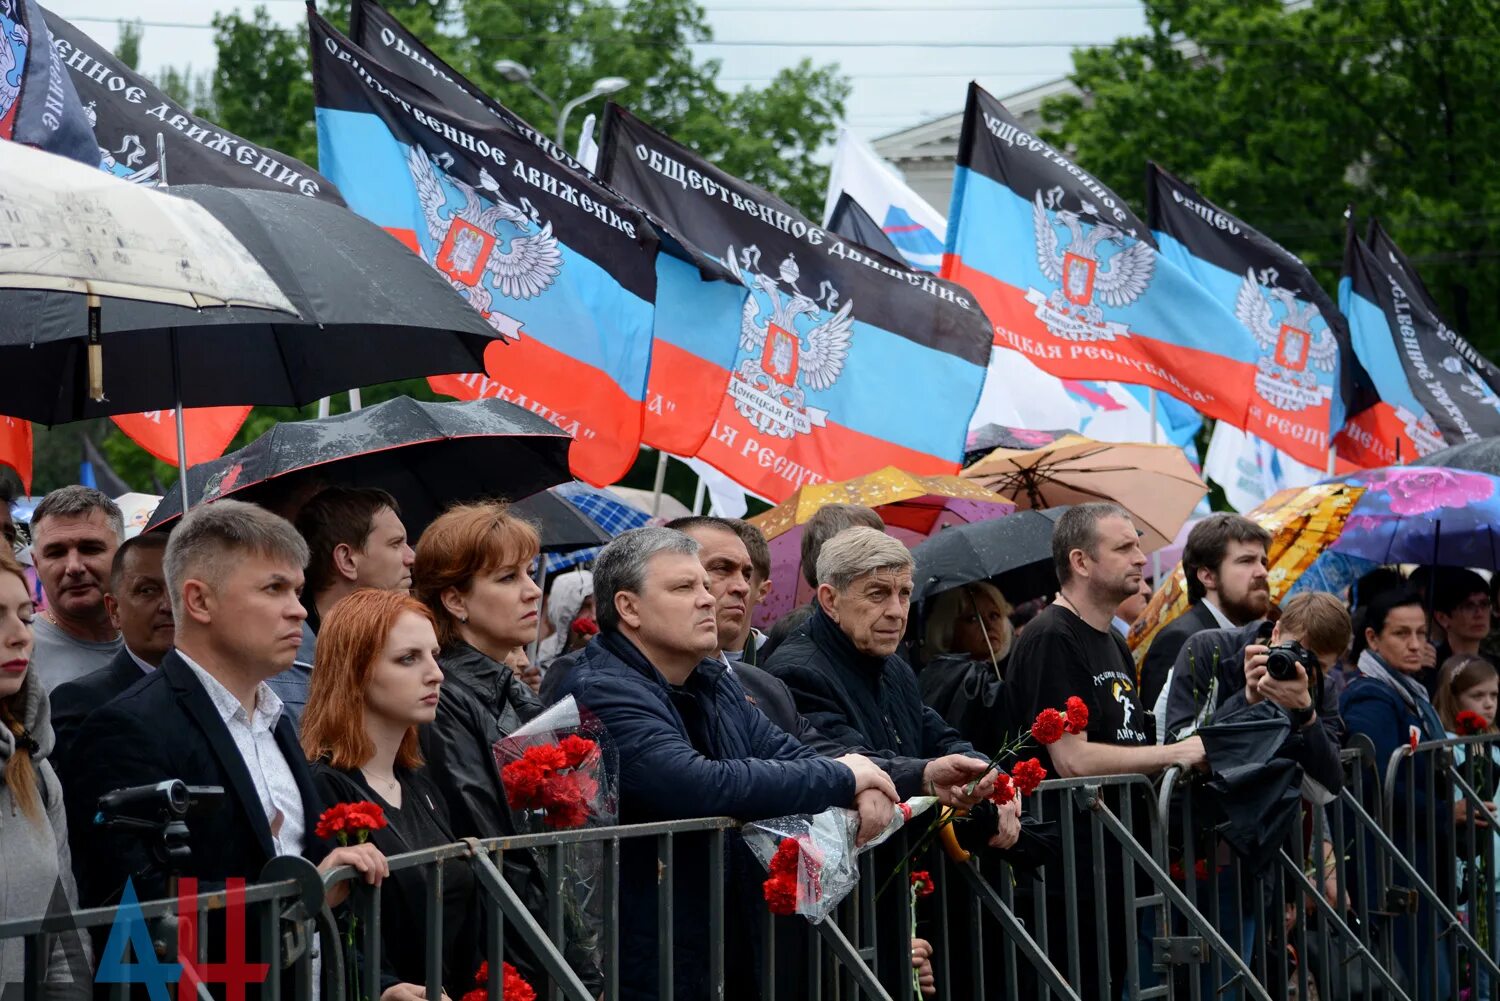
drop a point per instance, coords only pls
(255, 738)
(1219, 617)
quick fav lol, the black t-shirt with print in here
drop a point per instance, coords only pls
(1059, 655)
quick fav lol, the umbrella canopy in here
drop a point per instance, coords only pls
(1015, 552)
(74, 229)
(137, 510)
(428, 455)
(1481, 456)
(363, 310)
(1428, 515)
(606, 510)
(920, 504)
(562, 527)
(985, 439)
(1303, 522)
(1155, 483)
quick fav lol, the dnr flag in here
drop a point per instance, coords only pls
(698, 301)
(1070, 278)
(847, 362)
(146, 137)
(562, 268)
(1435, 389)
(1306, 376)
(38, 105)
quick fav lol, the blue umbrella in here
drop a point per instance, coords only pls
(604, 509)
(1430, 515)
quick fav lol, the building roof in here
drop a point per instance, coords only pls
(938, 139)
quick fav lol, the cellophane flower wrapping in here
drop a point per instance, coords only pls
(828, 862)
(556, 778)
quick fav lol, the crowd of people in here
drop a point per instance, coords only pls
(322, 660)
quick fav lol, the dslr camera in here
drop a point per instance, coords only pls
(158, 814)
(1283, 658)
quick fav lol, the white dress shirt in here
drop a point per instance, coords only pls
(255, 738)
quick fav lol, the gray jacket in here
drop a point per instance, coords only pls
(36, 868)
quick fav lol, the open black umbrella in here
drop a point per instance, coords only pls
(1014, 551)
(1481, 456)
(370, 310)
(562, 526)
(428, 455)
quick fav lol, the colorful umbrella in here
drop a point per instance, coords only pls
(912, 507)
(1155, 483)
(1431, 515)
(1303, 522)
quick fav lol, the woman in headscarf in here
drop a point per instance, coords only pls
(571, 598)
(967, 641)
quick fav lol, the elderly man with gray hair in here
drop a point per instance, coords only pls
(689, 745)
(852, 685)
(74, 534)
(207, 717)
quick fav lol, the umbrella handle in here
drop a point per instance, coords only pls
(95, 351)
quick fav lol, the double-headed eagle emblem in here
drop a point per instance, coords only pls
(1082, 274)
(1292, 352)
(488, 246)
(782, 355)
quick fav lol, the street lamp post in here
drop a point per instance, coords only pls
(604, 86)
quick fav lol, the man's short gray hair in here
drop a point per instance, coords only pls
(855, 552)
(76, 501)
(204, 545)
(621, 566)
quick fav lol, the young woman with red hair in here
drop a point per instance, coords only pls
(375, 682)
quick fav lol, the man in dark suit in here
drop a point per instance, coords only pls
(206, 716)
(1225, 561)
(140, 607)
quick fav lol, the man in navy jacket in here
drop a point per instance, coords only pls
(689, 745)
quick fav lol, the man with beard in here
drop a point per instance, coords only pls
(1068, 650)
(74, 534)
(1225, 562)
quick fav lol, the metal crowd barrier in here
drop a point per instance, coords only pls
(1123, 913)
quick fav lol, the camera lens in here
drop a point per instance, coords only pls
(1281, 663)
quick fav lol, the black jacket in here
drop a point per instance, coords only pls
(864, 703)
(72, 702)
(695, 750)
(967, 693)
(772, 697)
(1167, 644)
(1220, 654)
(482, 701)
(405, 893)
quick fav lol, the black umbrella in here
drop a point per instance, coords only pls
(371, 311)
(428, 455)
(1014, 551)
(562, 526)
(1481, 456)
(1252, 794)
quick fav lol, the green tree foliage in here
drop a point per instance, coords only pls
(128, 46)
(1283, 113)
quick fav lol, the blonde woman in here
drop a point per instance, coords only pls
(966, 643)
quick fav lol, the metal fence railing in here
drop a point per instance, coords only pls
(1376, 893)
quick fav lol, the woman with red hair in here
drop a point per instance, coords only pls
(375, 682)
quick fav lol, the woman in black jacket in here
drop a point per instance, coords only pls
(966, 644)
(376, 680)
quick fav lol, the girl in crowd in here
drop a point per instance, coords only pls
(375, 682)
(967, 641)
(36, 870)
(571, 598)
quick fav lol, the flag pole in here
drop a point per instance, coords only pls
(661, 480)
(181, 415)
(698, 495)
(1333, 461)
(1156, 554)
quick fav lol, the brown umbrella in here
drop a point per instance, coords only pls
(1155, 483)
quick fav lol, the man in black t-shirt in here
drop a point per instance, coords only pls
(1069, 649)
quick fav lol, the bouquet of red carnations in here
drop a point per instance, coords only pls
(812, 859)
(553, 772)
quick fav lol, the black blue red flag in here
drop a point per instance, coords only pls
(847, 361)
(38, 104)
(559, 265)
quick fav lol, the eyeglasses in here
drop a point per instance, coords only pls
(1476, 605)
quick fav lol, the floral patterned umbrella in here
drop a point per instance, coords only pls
(1303, 522)
(1431, 515)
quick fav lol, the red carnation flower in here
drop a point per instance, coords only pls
(1049, 726)
(1078, 715)
(514, 985)
(1004, 792)
(1200, 869)
(781, 894)
(547, 757)
(577, 749)
(1175, 870)
(585, 626)
(523, 783)
(1028, 775)
(346, 820)
(1469, 723)
(922, 884)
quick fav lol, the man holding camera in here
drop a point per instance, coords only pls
(1221, 670)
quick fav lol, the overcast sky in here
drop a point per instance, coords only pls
(1008, 45)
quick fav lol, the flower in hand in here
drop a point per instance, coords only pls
(350, 820)
(1468, 723)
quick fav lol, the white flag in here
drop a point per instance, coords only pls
(1250, 470)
